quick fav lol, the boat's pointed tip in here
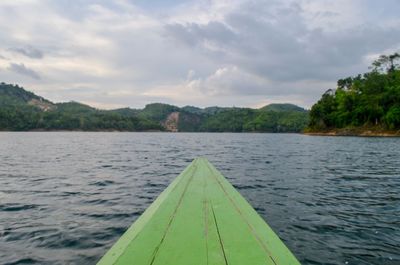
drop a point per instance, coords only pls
(201, 158)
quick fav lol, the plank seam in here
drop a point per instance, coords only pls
(251, 228)
(205, 209)
(188, 169)
(219, 236)
(172, 217)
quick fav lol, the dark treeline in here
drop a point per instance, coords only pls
(371, 100)
(21, 110)
(267, 119)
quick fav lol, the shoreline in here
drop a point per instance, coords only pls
(338, 132)
(149, 131)
(355, 133)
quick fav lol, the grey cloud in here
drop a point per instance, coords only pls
(23, 70)
(193, 34)
(28, 51)
(271, 48)
(274, 41)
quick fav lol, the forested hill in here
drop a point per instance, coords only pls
(364, 103)
(21, 110)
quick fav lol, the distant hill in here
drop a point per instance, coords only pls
(23, 110)
(157, 111)
(192, 109)
(283, 107)
(126, 111)
(14, 95)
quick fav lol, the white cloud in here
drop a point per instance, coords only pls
(202, 53)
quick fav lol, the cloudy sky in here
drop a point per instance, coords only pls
(228, 52)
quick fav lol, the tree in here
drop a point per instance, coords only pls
(345, 83)
(386, 62)
(371, 99)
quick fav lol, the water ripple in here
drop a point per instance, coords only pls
(65, 198)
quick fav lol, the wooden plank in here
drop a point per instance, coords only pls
(274, 249)
(199, 219)
(241, 246)
(138, 242)
(185, 241)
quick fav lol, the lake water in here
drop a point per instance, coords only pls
(66, 197)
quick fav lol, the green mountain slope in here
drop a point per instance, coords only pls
(23, 110)
(14, 94)
(282, 107)
(157, 111)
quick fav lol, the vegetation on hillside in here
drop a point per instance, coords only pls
(21, 110)
(255, 120)
(157, 111)
(283, 107)
(371, 100)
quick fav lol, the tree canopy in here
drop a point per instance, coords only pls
(22, 110)
(366, 100)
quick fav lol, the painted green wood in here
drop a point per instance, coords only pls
(200, 219)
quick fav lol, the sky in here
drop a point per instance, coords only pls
(128, 53)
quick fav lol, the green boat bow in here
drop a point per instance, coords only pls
(199, 219)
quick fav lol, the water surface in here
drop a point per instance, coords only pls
(66, 197)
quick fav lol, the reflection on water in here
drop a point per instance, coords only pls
(65, 198)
